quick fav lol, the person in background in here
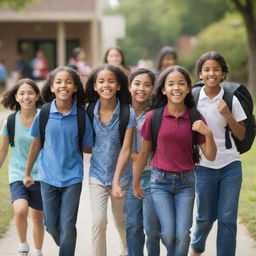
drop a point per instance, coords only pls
(166, 58)
(40, 66)
(3, 75)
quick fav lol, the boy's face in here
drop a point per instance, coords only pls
(141, 88)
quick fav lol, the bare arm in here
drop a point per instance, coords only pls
(237, 128)
(140, 166)
(3, 149)
(32, 156)
(122, 161)
(209, 148)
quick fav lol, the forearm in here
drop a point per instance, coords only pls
(140, 166)
(32, 156)
(3, 149)
(237, 128)
(210, 147)
(3, 154)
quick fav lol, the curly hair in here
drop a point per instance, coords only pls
(9, 100)
(78, 96)
(141, 71)
(123, 94)
(158, 99)
(212, 56)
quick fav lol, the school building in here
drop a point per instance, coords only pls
(56, 27)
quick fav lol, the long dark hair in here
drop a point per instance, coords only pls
(158, 99)
(166, 50)
(9, 100)
(78, 96)
(123, 94)
(212, 56)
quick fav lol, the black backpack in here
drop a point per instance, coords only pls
(124, 117)
(11, 128)
(44, 116)
(156, 121)
(245, 99)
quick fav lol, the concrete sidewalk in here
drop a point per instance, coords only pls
(8, 244)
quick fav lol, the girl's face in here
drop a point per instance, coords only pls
(114, 57)
(63, 86)
(211, 73)
(141, 88)
(26, 97)
(168, 61)
(175, 87)
(106, 84)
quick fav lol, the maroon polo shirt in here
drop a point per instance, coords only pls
(174, 144)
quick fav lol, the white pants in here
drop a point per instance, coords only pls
(99, 196)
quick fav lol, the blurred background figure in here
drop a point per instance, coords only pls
(40, 66)
(23, 69)
(3, 75)
(115, 56)
(167, 57)
(78, 62)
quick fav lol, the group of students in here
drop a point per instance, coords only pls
(150, 175)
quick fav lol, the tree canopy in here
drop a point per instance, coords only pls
(16, 4)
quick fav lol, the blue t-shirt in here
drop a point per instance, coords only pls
(60, 163)
(107, 147)
(19, 154)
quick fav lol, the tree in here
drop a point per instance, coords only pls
(247, 8)
(15, 4)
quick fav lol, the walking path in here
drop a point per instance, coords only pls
(8, 244)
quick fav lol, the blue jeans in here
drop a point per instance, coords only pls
(141, 215)
(217, 192)
(173, 195)
(60, 213)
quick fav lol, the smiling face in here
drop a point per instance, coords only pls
(114, 57)
(175, 88)
(141, 88)
(106, 85)
(168, 60)
(211, 73)
(26, 96)
(63, 86)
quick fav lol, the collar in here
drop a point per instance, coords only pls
(97, 106)
(54, 109)
(184, 115)
(219, 96)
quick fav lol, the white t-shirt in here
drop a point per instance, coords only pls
(217, 123)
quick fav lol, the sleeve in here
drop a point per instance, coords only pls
(4, 131)
(88, 139)
(132, 120)
(237, 110)
(35, 131)
(146, 128)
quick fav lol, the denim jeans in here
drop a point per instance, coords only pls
(173, 195)
(141, 215)
(217, 193)
(60, 213)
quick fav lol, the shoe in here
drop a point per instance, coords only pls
(23, 249)
(22, 253)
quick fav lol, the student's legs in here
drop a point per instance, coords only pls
(99, 201)
(38, 228)
(51, 197)
(134, 223)
(230, 185)
(117, 205)
(70, 198)
(184, 203)
(20, 207)
(151, 224)
(207, 193)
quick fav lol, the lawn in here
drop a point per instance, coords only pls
(247, 206)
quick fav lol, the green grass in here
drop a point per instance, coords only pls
(247, 204)
(6, 212)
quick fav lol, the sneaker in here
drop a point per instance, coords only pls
(23, 249)
(22, 253)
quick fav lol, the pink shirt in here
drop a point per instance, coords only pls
(174, 144)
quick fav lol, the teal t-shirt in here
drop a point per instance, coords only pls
(19, 154)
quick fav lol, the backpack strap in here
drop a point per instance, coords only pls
(80, 125)
(43, 119)
(156, 121)
(90, 110)
(11, 128)
(196, 90)
(124, 118)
